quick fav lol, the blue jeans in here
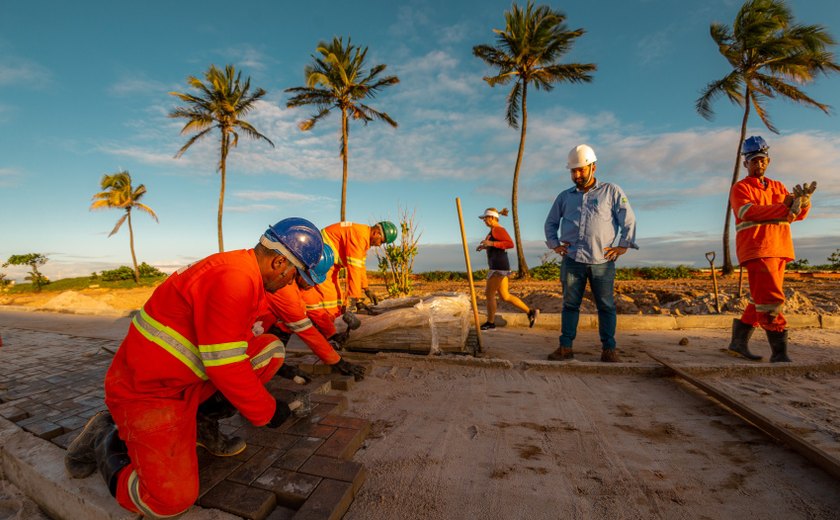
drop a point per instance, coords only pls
(601, 277)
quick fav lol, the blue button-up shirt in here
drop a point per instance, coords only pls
(589, 222)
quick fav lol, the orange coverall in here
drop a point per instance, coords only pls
(290, 310)
(351, 243)
(195, 335)
(764, 246)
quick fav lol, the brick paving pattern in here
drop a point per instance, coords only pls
(51, 384)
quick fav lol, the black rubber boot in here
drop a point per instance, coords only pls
(741, 333)
(208, 435)
(80, 459)
(111, 457)
(778, 344)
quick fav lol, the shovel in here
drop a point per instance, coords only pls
(710, 256)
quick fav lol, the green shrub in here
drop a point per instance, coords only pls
(126, 273)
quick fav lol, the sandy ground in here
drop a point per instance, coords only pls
(589, 440)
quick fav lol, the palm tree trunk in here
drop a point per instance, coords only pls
(514, 203)
(223, 170)
(727, 255)
(131, 242)
(343, 163)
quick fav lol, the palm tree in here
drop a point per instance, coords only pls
(119, 194)
(768, 54)
(526, 52)
(221, 101)
(338, 79)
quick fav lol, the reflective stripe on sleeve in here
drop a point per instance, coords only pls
(300, 325)
(171, 341)
(746, 225)
(323, 305)
(223, 353)
(356, 262)
(743, 210)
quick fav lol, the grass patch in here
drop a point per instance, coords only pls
(85, 282)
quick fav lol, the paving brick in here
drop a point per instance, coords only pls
(13, 413)
(240, 500)
(281, 388)
(342, 444)
(72, 422)
(342, 383)
(269, 437)
(292, 489)
(320, 410)
(313, 365)
(336, 469)
(330, 500)
(310, 429)
(64, 440)
(255, 466)
(339, 400)
(41, 428)
(213, 470)
(299, 453)
(250, 451)
(343, 421)
(281, 513)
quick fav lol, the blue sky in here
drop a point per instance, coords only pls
(84, 91)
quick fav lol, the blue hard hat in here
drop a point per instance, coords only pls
(319, 272)
(753, 146)
(299, 240)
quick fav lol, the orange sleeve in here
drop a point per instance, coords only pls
(747, 210)
(290, 309)
(323, 320)
(501, 237)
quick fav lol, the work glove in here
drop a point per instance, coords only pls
(281, 413)
(280, 333)
(804, 191)
(350, 369)
(357, 306)
(372, 297)
(291, 372)
(338, 339)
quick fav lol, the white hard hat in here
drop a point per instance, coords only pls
(580, 156)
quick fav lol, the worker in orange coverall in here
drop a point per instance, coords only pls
(764, 210)
(351, 243)
(192, 355)
(291, 316)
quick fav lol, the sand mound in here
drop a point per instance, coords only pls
(73, 302)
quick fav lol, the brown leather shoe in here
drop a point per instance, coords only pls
(609, 356)
(562, 354)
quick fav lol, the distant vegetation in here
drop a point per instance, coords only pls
(119, 278)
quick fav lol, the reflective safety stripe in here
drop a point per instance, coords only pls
(356, 262)
(328, 240)
(171, 341)
(300, 325)
(323, 305)
(770, 308)
(743, 210)
(273, 350)
(134, 495)
(746, 225)
(223, 353)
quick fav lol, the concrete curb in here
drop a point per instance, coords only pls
(659, 322)
(36, 467)
(80, 311)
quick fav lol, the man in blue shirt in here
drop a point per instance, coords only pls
(589, 217)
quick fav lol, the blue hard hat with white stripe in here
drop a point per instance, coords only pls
(299, 240)
(754, 146)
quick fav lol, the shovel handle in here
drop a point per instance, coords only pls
(710, 256)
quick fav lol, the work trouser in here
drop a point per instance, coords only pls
(766, 276)
(601, 278)
(162, 478)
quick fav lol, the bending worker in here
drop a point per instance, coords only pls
(351, 243)
(193, 350)
(763, 211)
(289, 311)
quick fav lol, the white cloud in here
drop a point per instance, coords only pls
(283, 196)
(246, 57)
(136, 83)
(20, 71)
(9, 177)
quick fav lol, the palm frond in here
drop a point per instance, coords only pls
(731, 86)
(513, 99)
(117, 227)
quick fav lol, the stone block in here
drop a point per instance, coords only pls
(41, 428)
(339, 400)
(12, 412)
(336, 469)
(310, 429)
(281, 513)
(281, 388)
(342, 444)
(343, 383)
(276, 438)
(255, 466)
(313, 365)
(213, 470)
(330, 500)
(294, 458)
(72, 422)
(64, 440)
(240, 500)
(291, 488)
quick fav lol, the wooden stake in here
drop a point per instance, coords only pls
(469, 275)
(740, 281)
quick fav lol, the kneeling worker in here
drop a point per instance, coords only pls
(190, 356)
